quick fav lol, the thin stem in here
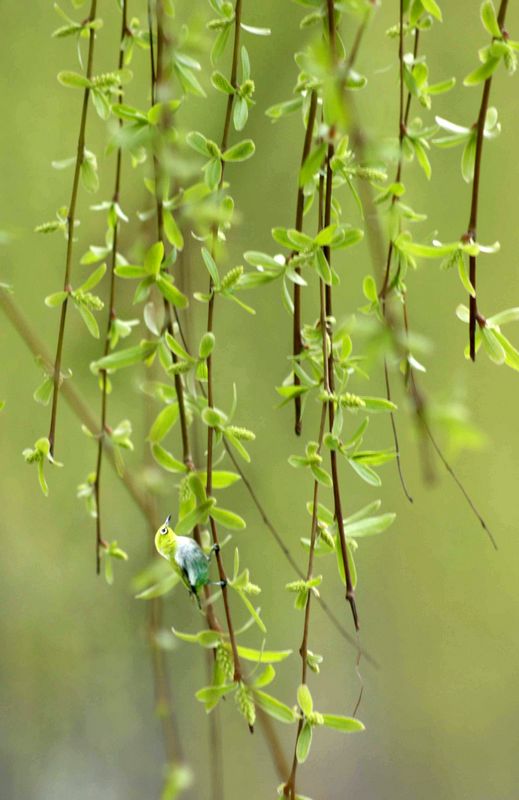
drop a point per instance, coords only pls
(159, 87)
(375, 241)
(296, 331)
(71, 219)
(278, 538)
(329, 365)
(473, 220)
(290, 786)
(403, 118)
(210, 322)
(100, 542)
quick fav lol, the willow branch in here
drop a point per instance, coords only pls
(100, 542)
(300, 207)
(159, 87)
(375, 238)
(290, 786)
(350, 591)
(473, 220)
(71, 219)
(403, 118)
(210, 321)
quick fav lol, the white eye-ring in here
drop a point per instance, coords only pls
(163, 530)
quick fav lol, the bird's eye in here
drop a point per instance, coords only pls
(163, 530)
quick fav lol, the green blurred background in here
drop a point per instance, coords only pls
(438, 607)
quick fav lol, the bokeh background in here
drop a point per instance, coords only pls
(439, 608)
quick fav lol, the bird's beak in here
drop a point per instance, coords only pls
(168, 518)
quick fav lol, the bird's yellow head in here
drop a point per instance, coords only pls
(165, 538)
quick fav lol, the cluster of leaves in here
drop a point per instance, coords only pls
(195, 203)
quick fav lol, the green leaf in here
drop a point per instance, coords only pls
(211, 266)
(263, 656)
(468, 159)
(304, 698)
(55, 299)
(166, 460)
(274, 708)
(172, 231)
(170, 292)
(482, 73)
(197, 141)
(240, 152)
(95, 278)
(369, 526)
(255, 31)
(125, 358)
(504, 317)
(493, 346)
(73, 80)
(378, 404)
(154, 258)
(489, 19)
(195, 517)
(159, 589)
(240, 113)
(89, 320)
(130, 271)
(221, 83)
(366, 473)
(511, 354)
(252, 611)
(312, 164)
(89, 174)
(433, 8)
(210, 695)
(464, 275)
(163, 423)
(422, 158)
(206, 346)
(304, 742)
(221, 478)
(279, 110)
(322, 267)
(344, 724)
(228, 519)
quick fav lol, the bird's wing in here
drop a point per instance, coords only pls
(192, 561)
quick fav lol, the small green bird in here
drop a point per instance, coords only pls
(187, 558)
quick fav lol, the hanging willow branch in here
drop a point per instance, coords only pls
(71, 221)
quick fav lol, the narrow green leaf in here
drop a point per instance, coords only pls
(170, 292)
(73, 80)
(228, 519)
(163, 423)
(344, 724)
(274, 708)
(240, 151)
(312, 164)
(482, 73)
(304, 698)
(304, 742)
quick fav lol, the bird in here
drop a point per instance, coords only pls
(187, 558)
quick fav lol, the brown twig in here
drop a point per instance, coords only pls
(100, 542)
(376, 243)
(71, 218)
(350, 591)
(403, 118)
(158, 87)
(473, 220)
(300, 207)
(238, 677)
(289, 789)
